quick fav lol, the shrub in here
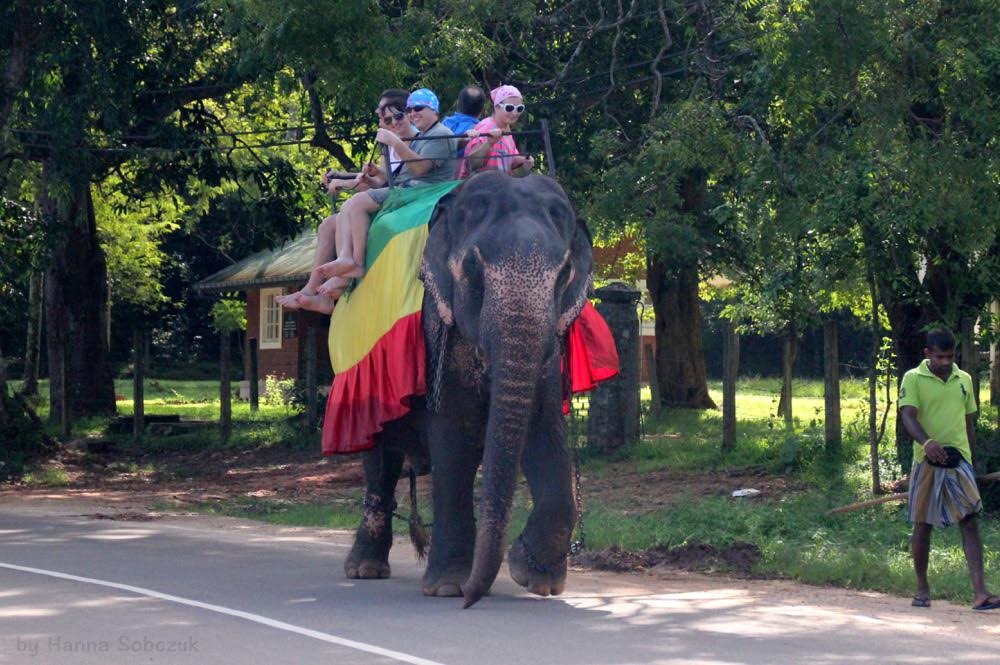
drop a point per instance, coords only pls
(23, 436)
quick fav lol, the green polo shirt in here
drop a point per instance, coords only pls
(941, 406)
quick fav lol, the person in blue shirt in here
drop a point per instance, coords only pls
(468, 109)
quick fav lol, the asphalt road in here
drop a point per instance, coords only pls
(75, 589)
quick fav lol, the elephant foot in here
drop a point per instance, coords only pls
(543, 579)
(367, 570)
(369, 557)
(447, 583)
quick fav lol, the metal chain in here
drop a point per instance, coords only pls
(580, 543)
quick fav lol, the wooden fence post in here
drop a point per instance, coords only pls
(831, 387)
(253, 381)
(225, 387)
(311, 401)
(138, 376)
(731, 367)
(655, 399)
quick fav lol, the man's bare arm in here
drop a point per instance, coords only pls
(932, 449)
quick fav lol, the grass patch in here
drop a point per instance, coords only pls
(340, 514)
(866, 550)
(46, 477)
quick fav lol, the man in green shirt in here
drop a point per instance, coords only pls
(938, 409)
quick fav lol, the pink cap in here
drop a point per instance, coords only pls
(504, 92)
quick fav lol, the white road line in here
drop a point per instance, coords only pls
(256, 618)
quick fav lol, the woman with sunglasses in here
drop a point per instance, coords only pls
(490, 146)
(333, 235)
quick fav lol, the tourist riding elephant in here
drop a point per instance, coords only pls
(506, 268)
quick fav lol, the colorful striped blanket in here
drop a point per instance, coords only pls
(376, 339)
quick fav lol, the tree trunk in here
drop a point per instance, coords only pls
(3, 373)
(76, 291)
(831, 388)
(33, 344)
(731, 366)
(969, 353)
(680, 360)
(906, 322)
(789, 353)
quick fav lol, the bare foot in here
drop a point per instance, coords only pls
(318, 303)
(338, 266)
(333, 285)
(341, 268)
(290, 301)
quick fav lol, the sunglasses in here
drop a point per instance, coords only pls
(415, 109)
(513, 108)
(395, 116)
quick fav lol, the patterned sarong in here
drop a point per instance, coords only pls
(942, 497)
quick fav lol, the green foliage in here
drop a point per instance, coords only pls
(229, 315)
(22, 242)
(279, 392)
(24, 438)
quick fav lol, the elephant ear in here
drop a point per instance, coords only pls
(581, 264)
(434, 270)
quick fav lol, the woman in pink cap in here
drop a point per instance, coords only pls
(491, 147)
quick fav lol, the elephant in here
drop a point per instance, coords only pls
(506, 268)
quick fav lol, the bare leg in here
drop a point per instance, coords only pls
(973, 547)
(358, 210)
(326, 241)
(920, 548)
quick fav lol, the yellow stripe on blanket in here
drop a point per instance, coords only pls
(389, 291)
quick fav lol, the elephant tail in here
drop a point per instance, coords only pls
(418, 531)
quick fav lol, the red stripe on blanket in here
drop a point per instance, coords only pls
(591, 348)
(590, 352)
(377, 389)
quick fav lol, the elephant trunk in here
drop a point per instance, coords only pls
(510, 411)
(515, 354)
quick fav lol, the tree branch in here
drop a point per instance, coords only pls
(321, 139)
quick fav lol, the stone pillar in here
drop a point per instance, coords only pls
(614, 405)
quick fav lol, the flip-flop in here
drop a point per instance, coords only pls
(988, 605)
(921, 602)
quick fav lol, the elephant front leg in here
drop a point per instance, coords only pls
(456, 451)
(369, 557)
(537, 559)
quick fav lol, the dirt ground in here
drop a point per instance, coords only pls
(95, 470)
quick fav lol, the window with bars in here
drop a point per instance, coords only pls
(270, 319)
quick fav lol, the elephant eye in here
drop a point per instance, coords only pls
(472, 269)
(564, 276)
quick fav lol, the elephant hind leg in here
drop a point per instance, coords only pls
(369, 557)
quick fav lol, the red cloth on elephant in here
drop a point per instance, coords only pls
(379, 388)
(590, 352)
(376, 390)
